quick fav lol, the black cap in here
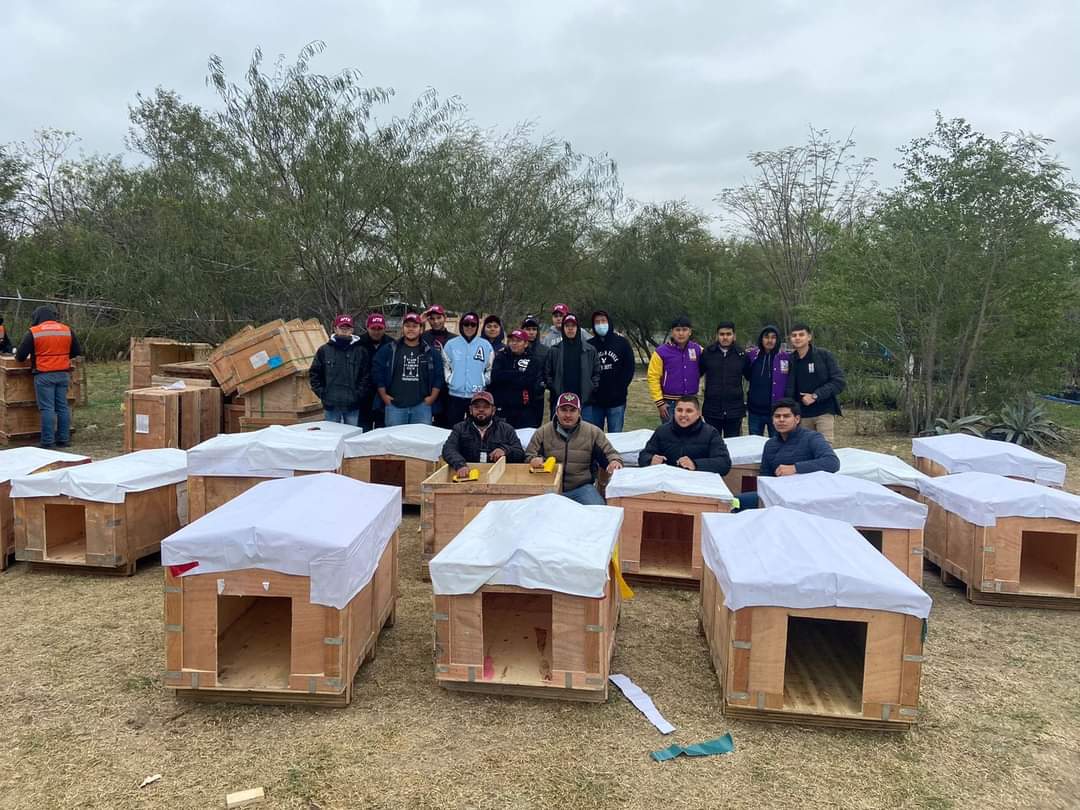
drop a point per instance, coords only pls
(682, 320)
(530, 320)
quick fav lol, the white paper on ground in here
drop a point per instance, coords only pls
(547, 542)
(778, 557)
(335, 428)
(324, 526)
(642, 702)
(107, 481)
(745, 449)
(858, 502)
(959, 452)
(20, 461)
(881, 468)
(629, 444)
(982, 498)
(273, 452)
(630, 481)
(411, 441)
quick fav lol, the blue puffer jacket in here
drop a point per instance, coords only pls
(808, 450)
(467, 365)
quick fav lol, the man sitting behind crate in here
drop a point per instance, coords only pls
(793, 450)
(574, 444)
(481, 437)
(687, 441)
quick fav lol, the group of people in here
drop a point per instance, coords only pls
(483, 385)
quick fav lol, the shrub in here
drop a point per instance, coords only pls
(1027, 423)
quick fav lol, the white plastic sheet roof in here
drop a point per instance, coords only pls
(21, 461)
(630, 481)
(778, 557)
(959, 452)
(881, 468)
(273, 452)
(411, 441)
(629, 444)
(547, 542)
(858, 502)
(982, 498)
(107, 481)
(333, 428)
(525, 435)
(745, 449)
(325, 526)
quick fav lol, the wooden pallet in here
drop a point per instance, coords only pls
(815, 720)
(664, 581)
(542, 692)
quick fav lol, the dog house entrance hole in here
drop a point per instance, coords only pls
(823, 666)
(254, 641)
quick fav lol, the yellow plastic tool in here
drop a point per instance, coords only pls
(474, 475)
(616, 570)
(549, 466)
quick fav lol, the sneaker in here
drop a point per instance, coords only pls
(63, 444)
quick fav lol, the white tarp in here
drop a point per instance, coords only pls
(325, 526)
(525, 435)
(629, 444)
(778, 557)
(333, 428)
(630, 481)
(881, 468)
(547, 542)
(745, 449)
(411, 441)
(858, 502)
(107, 481)
(982, 498)
(273, 452)
(959, 452)
(21, 461)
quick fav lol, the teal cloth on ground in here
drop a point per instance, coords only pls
(721, 745)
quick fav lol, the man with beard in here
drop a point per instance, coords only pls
(481, 438)
(372, 412)
(516, 383)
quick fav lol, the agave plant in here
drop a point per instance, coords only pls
(974, 425)
(1026, 422)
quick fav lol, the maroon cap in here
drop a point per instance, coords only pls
(435, 309)
(518, 334)
(376, 321)
(560, 309)
(343, 320)
(411, 317)
(570, 318)
(482, 396)
(573, 400)
(470, 319)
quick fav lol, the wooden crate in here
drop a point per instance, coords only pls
(660, 539)
(7, 511)
(232, 414)
(64, 532)
(902, 547)
(289, 397)
(166, 417)
(504, 640)
(248, 423)
(445, 506)
(742, 478)
(837, 667)
(255, 357)
(253, 635)
(190, 371)
(21, 424)
(396, 471)
(148, 355)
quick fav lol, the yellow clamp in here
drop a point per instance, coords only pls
(549, 466)
(474, 475)
(616, 569)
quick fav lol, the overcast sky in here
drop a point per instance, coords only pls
(677, 92)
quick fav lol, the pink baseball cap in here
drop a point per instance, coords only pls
(560, 309)
(573, 400)
(412, 317)
(570, 318)
(518, 334)
(435, 309)
(376, 321)
(343, 320)
(483, 396)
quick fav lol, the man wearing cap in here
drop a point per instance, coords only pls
(615, 363)
(576, 445)
(481, 438)
(674, 368)
(467, 362)
(553, 334)
(571, 365)
(408, 376)
(437, 336)
(372, 412)
(530, 325)
(340, 374)
(517, 383)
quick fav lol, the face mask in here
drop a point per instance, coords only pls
(601, 329)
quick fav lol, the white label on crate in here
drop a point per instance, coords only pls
(220, 586)
(259, 359)
(142, 423)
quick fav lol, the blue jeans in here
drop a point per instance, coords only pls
(51, 389)
(670, 409)
(759, 424)
(596, 415)
(418, 414)
(586, 495)
(344, 417)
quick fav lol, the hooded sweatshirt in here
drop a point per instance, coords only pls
(467, 363)
(500, 340)
(571, 366)
(767, 373)
(615, 361)
(26, 347)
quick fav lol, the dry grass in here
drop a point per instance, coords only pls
(85, 717)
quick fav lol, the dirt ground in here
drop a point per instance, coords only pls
(85, 718)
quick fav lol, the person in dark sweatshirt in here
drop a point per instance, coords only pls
(492, 329)
(517, 383)
(766, 370)
(481, 438)
(722, 366)
(373, 338)
(793, 451)
(340, 374)
(570, 366)
(687, 441)
(615, 361)
(436, 336)
(5, 339)
(814, 381)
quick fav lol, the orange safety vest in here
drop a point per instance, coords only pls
(52, 346)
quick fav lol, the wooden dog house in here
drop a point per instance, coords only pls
(745, 452)
(18, 462)
(103, 516)
(629, 445)
(959, 452)
(891, 523)
(279, 595)
(526, 600)
(880, 468)
(229, 464)
(661, 530)
(807, 624)
(1010, 542)
(402, 456)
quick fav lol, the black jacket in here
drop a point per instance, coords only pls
(512, 375)
(724, 397)
(817, 373)
(615, 362)
(590, 372)
(371, 345)
(701, 442)
(5, 341)
(26, 346)
(464, 445)
(340, 374)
